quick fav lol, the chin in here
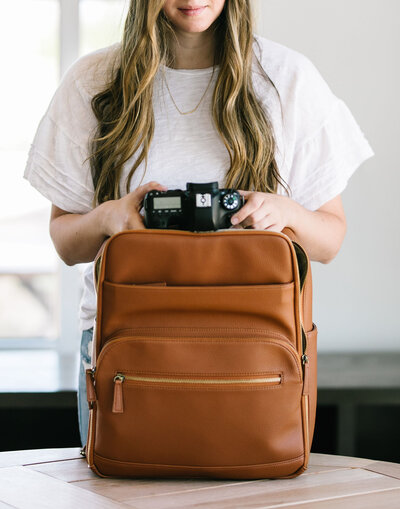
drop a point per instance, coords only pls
(192, 26)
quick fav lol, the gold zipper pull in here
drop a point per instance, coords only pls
(118, 401)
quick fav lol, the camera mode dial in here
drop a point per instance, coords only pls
(230, 201)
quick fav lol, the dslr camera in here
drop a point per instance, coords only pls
(202, 207)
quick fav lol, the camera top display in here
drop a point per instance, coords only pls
(202, 207)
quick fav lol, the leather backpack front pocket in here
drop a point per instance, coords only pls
(238, 408)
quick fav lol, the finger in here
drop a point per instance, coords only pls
(141, 191)
(274, 228)
(267, 226)
(255, 217)
(150, 186)
(248, 208)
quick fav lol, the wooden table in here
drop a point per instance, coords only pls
(60, 478)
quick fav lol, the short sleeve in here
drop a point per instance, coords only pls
(56, 168)
(57, 164)
(329, 145)
(323, 165)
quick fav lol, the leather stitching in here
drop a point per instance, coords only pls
(174, 467)
(111, 346)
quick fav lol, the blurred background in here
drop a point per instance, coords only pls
(355, 46)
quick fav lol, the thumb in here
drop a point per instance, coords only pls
(141, 191)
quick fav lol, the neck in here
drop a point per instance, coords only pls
(194, 50)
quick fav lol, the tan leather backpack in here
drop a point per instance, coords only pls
(204, 361)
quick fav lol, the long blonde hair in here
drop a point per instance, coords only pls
(124, 109)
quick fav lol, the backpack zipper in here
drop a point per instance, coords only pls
(119, 379)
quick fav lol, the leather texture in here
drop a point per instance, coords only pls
(204, 356)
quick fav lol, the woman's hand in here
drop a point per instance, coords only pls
(123, 214)
(320, 232)
(263, 211)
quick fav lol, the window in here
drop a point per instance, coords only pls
(101, 23)
(39, 295)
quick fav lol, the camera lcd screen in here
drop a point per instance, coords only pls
(167, 202)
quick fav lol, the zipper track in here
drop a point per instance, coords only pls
(167, 382)
(268, 379)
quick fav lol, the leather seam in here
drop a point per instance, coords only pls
(293, 354)
(160, 289)
(174, 467)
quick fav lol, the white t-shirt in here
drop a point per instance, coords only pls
(319, 143)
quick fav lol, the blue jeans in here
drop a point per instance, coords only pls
(84, 363)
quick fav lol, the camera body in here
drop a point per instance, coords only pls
(202, 207)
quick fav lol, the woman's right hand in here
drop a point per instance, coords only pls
(123, 214)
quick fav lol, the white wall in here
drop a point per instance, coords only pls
(355, 45)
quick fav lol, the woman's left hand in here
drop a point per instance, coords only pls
(263, 211)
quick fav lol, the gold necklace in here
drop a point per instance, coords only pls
(202, 97)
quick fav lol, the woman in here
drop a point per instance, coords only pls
(191, 94)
